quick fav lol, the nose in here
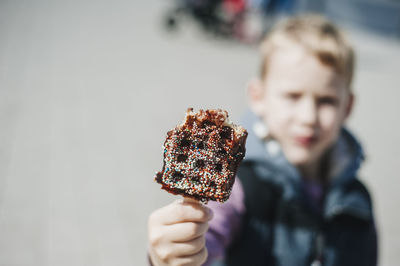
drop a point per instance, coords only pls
(307, 112)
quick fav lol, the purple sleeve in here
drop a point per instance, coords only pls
(226, 223)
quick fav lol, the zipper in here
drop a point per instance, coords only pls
(318, 250)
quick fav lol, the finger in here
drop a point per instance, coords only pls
(166, 252)
(188, 248)
(197, 205)
(197, 259)
(178, 212)
(183, 232)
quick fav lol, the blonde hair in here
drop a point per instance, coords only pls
(317, 35)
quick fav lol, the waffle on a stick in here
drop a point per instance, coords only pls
(201, 156)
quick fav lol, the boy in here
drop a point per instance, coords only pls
(296, 200)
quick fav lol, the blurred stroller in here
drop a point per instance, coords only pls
(222, 18)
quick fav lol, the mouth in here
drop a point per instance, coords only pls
(305, 141)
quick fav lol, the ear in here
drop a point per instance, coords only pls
(350, 104)
(255, 95)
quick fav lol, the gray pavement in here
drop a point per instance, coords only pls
(88, 90)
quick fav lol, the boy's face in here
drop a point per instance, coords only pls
(303, 102)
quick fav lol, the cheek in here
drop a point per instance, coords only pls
(280, 117)
(330, 121)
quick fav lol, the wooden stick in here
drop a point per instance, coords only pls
(190, 200)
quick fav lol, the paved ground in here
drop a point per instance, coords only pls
(88, 90)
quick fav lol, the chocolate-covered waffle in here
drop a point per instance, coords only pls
(201, 156)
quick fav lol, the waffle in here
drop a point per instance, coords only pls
(201, 156)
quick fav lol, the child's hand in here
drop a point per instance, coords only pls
(177, 233)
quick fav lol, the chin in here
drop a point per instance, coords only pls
(300, 157)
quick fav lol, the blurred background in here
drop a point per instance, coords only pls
(88, 90)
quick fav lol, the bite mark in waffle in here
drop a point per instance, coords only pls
(202, 155)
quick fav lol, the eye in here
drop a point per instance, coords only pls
(328, 100)
(292, 96)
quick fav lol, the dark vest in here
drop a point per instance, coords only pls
(280, 228)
